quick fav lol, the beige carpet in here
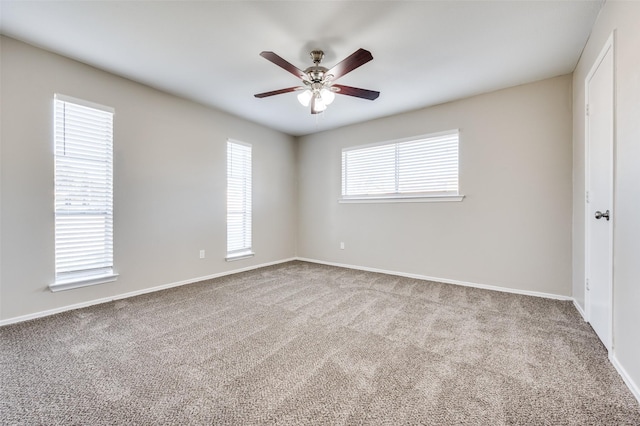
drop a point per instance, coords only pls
(300, 343)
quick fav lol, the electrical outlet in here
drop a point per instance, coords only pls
(341, 246)
(201, 254)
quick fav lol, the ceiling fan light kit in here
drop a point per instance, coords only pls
(319, 89)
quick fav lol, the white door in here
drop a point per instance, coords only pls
(599, 206)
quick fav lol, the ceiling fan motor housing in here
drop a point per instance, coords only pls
(316, 74)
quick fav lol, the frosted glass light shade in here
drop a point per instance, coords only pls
(327, 96)
(305, 97)
(318, 104)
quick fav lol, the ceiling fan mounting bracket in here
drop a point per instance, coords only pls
(316, 56)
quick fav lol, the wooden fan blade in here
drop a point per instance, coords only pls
(356, 59)
(272, 57)
(358, 93)
(277, 92)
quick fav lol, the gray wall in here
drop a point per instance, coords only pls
(169, 178)
(624, 18)
(512, 230)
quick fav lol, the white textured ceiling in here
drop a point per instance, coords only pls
(425, 52)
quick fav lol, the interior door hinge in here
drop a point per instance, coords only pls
(587, 284)
(587, 109)
(587, 196)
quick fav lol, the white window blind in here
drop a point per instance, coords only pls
(238, 199)
(423, 166)
(83, 189)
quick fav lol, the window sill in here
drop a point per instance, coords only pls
(403, 199)
(78, 282)
(239, 256)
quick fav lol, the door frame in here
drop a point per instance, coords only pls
(608, 46)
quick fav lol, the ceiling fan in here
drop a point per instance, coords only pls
(319, 88)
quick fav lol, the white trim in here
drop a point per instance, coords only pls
(407, 139)
(608, 46)
(247, 144)
(82, 102)
(402, 199)
(54, 311)
(239, 189)
(633, 387)
(239, 256)
(357, 159)
(82, 282)
(441, 280)
(581, 311)
(262, 265)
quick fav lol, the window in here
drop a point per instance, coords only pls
(423, 168)
(83, 138)
(238, 200)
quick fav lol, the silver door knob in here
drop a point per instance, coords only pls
(599, 214)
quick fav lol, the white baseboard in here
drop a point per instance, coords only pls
(441, 280)
(633, 387)
(580, 310)
(133, 293)
(235, 271)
